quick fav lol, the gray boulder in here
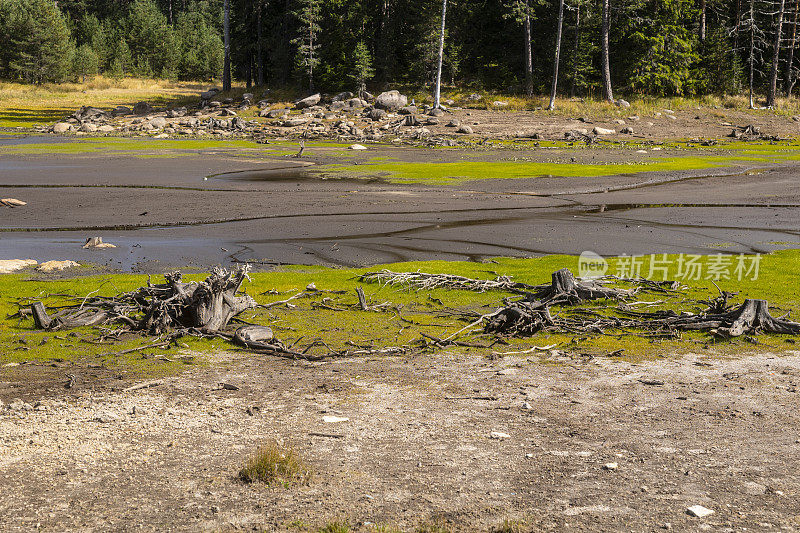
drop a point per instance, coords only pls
(377, 114)
(308, 101)
(90, 113)
(274, 113)
(622, 103)
(464, 129)
(209, 94)
(142, 108)
(120, 111)
(408, 110)
(347, 95)
(158, 122)
(391, 100)
(436, 112)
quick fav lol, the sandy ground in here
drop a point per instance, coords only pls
(272, 212)
(417, 446)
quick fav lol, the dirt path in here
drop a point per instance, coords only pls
(417, 448)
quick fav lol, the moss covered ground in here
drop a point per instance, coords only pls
(331, 314)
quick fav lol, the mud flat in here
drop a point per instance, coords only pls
(204, 208)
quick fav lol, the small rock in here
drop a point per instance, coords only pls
(633, 118)
(610, 466)
(500, 103)
(754, 489)
(12, 202)
(699, 511)
(622, 103)
(464, 129)
(454, 123)
(499, 435)
(62, 127)
(626, 130)
(357, 147)
(527, 406)
(330, 419)
(142, 108)
(602, 131)
(158, 122)
(436, 112)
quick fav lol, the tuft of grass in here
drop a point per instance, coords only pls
(509, 526)
(273, 464)
(436, 525)
(335, 526)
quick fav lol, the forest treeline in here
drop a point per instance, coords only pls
(654, 47)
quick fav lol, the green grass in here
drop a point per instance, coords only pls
(335, 319)
(274, 464)
(450, 172)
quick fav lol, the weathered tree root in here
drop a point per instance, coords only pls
(206, 307)
(425, 281)
(565, 289)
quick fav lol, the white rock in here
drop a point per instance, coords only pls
(699, 511)
(641, 151)
(499, 435)
(62, 127)
(12, 265)
(50, 266)
(610, 466)
(602, 131)
(527, 406)
(754, 489)
(329, 419)
(357, 147)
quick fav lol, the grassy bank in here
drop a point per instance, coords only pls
(331, 313)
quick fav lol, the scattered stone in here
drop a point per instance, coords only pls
(377, 114)
(52, 266)
(357, 147)
(308, 101)
(273, 113)
(408, 110)
(754, 489)
(454, 123)
(633, 118)
(466, 130)
(97, 242)
(391, 100)
(410, 120)
(527, 406)
(330, 419)
(88, 127)
(436, 112)
(292, 122)
(158, 122)
(500, 103)
(62, 127)
(475, 97)
(699, 511)
(12, 265)
(347, 95)
(622, 103)
(619, 121)
(627, 130)
(602, 131)
(209, 94)
(499, 435)
(142, 108)
(105, 128)
(432, 121)
(120, 111)
(610, 466)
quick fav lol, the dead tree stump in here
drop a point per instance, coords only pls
(753, 316)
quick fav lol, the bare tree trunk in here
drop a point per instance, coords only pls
(605, 67)
(789, 83)
(702, 29)
(528, 53)
(170, 11)
(226, 28)
(752, 51)
(554, 86)
(259, 45)
(773, 80)
(575, 51)
(438, 89)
